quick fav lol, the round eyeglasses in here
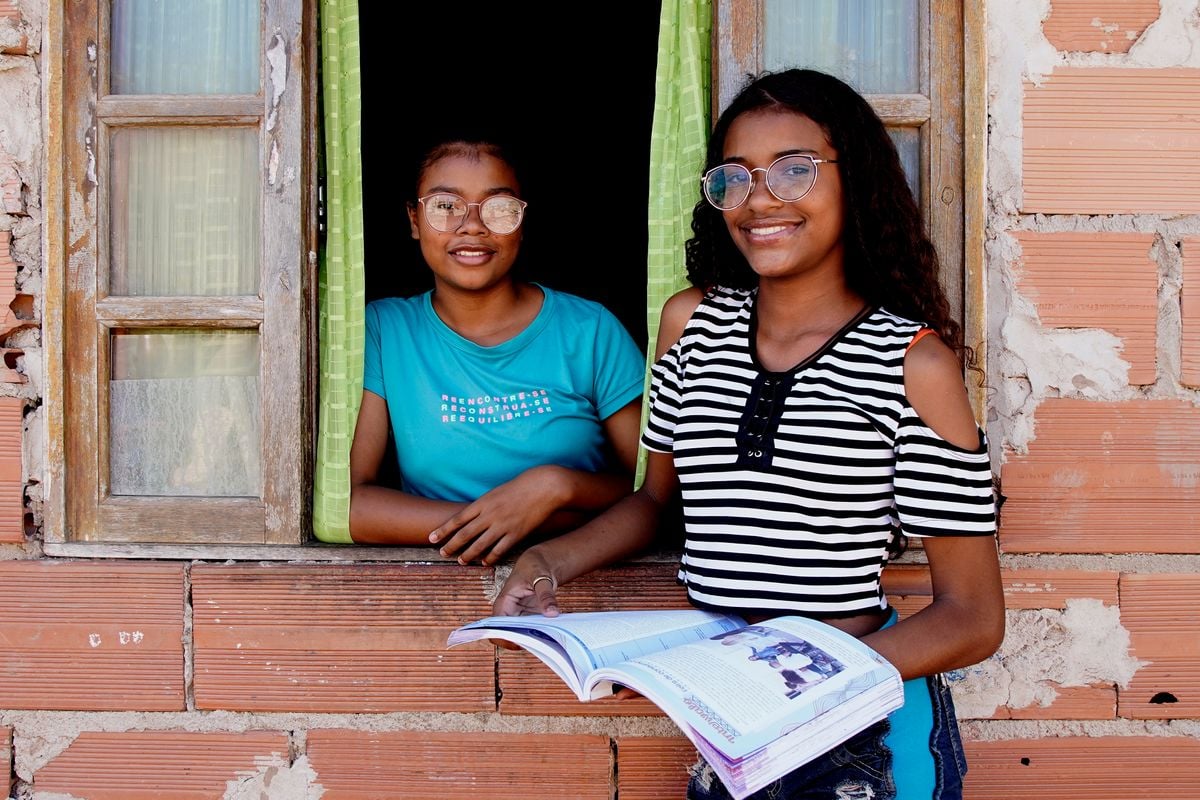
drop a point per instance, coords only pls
(445, 212)
(789, 178)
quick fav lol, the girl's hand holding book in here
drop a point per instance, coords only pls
(530, 589)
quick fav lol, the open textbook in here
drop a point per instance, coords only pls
(757, 701)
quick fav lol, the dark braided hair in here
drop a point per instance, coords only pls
(889, 261)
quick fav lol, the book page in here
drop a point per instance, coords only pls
(575, 644)
(601, 638)
(745, 688)
(746, 775)
(549, 651)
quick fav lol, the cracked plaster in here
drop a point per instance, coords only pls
(1030, 362)
(20, 125)
(275, 779)
(23, 32)
(1046, 649)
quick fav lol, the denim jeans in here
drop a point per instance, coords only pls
(861, 768)
(945, 743)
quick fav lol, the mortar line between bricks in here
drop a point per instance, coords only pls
(189, 661)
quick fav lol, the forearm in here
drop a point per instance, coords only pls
(934, 640)
(628, 528)
(579, 490)
(379, 515)
(945, 635)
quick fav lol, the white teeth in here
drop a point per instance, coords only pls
(470, 253)
(767, 231)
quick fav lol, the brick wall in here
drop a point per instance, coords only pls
(19, 252)
(336, 677)
(1094, 195)
(184, 679)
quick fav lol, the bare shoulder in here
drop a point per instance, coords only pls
(933, 382)
(674, 318)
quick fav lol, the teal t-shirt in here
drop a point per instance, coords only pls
(467, 418)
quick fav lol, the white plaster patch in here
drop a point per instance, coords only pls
(274, 779)
(1017, 51)
(1045, 650)
(20, 124)
(31, 365)
(1032, 362)
(273, 163)
(1097, 646)
(492, 590)
(1173, 40)
(277, 72)
(54, 796)
(1067, 362)
(34, 748)
(15, 35)
(34, 435)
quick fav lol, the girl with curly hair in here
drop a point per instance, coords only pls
(808, 402)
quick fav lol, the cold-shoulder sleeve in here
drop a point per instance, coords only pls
(941, 489)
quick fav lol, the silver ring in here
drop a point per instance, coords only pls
(539, 579)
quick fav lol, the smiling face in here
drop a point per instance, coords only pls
(785, 240)
(470, 258)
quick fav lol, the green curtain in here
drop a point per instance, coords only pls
(342, 294)
(677, 147)
(680, 135)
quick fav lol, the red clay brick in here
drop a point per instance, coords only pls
(12, 485)
(422, 765)
(6, 773)
(91, 636)
(1106, 768)
(8, 360)
(1119, 477)
(1162, 614)
(1190, 336)
(1070, 703)
(8, 286)
(1052, 588)
(325, 638)
(16, 42)
(909, 589)
(653, 768)
(1148, 149)
(627, 587)
(165, 765)
(1098, 26)
(1096, 280)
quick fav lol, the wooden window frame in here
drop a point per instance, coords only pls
(950, 113)
(955, 169)
(80, 516)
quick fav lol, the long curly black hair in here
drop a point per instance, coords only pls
(889, 261)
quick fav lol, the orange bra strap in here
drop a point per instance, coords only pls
(920, 335)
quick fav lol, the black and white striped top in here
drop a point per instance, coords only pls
(795, 483)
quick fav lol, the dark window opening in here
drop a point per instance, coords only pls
(578, 101)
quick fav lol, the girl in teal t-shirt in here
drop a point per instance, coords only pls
(514, 408)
